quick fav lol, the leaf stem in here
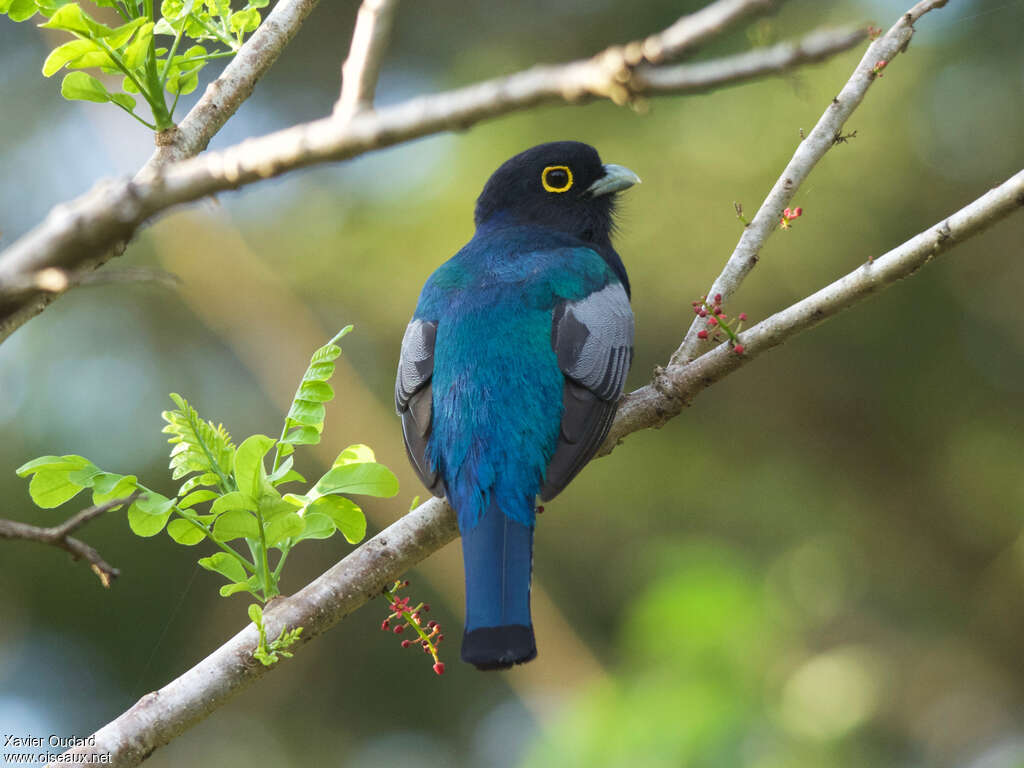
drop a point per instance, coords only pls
(206, 532)
(174, 46)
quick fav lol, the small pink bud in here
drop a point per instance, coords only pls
(718, 298)
(797, 212)
(426, 607)
(712, 321)
(703, 312)
(406, 643)
(439, 667)
(702, 334)
(743, 316)
(384, 625)
(738, 349)
(399, 629)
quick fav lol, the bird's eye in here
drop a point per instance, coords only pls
(556, 178)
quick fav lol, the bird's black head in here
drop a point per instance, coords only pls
(561, 185)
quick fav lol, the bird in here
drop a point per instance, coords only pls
(511, 371)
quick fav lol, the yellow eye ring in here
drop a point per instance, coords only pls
(565, 187)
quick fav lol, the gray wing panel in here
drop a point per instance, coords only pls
(593, 340)
(414, 397)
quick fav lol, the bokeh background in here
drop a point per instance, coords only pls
(819, 563)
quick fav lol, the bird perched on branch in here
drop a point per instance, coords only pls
(511, 371)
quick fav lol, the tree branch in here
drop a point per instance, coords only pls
(807, 155)
(79, 235)
(60, 536)
(360, 71)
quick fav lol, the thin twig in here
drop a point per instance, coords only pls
(807, 155)
(60, 536)
(361, 69)
(779, 58)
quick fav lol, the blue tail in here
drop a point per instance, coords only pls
(498, 555)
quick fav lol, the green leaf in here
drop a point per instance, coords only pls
(118, 36)
(290, 477)
(71, 18)
(163, 27)
(83, 87)
(148, 516)
(298, 499)
(251, 585)
(250, 474)
(50, 488)
(302, 436)
(46, 7)
(355, 454)
(127, 84)
(196, 442)
(236, 524)
(318, 526)
(316, 391)
(194, 482)
(368, 478)
(85, 476)
(225, 565)
(344, 513)
(109, 486)
(70, 461)
(244, 21)
(126, 101)
(236, 500)
(184, 532)
(72, 53)
(18, 10)
(197, 497)
(255, 614)
(282, 528)
(135, 54)
(307, 413)
(285, 473)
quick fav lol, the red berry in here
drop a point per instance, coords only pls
(439, 667)
(738, 349)
(718, 298)
(702, 334)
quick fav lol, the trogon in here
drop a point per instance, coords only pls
(511, 371)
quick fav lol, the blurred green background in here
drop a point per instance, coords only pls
(819, 564)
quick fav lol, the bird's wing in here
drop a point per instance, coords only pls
(413, 397)
(593, 339)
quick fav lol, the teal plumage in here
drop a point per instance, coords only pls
(511, 370)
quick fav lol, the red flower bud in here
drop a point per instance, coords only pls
(384, 625)
(399, 629)
(738, 349)
(406, 643)
(743, 316)
(439, 667)
(718, 298)
(702, 334)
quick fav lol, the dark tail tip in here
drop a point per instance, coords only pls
(498, 647)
